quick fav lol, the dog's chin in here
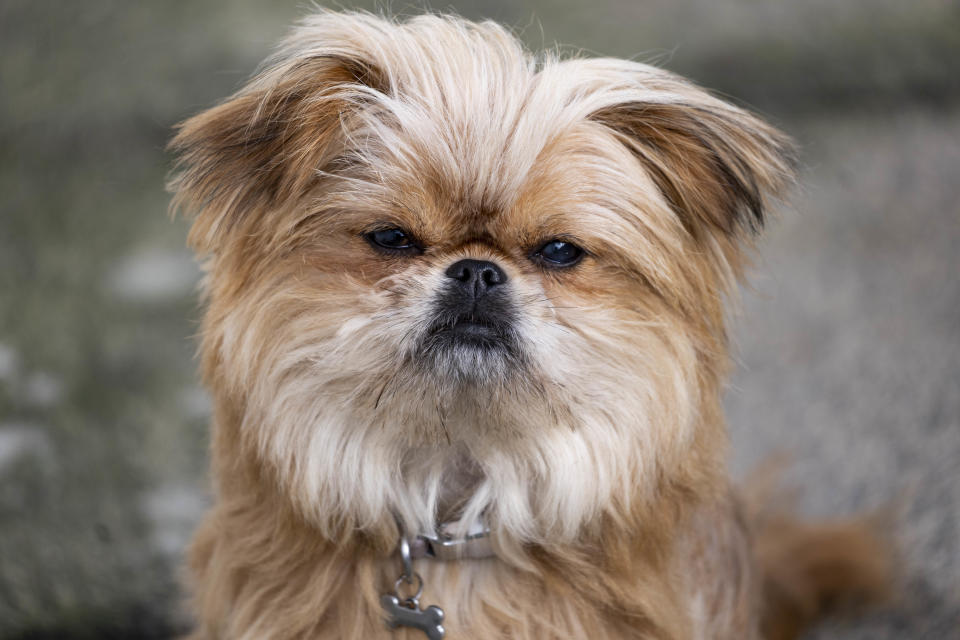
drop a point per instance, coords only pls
(468, 354)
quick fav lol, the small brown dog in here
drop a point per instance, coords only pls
(465, 337)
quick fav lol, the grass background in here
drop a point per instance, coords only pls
(848, 347)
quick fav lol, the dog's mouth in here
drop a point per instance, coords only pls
(471, 341)
(473, 328)
(471, 332)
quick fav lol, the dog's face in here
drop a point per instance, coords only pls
(446, 278)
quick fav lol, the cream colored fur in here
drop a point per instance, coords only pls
(596, 452)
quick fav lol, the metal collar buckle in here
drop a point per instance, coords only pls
(475, 545)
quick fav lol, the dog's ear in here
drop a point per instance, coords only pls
(264, 145)
(718, 166)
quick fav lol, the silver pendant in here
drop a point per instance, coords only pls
(407, 613)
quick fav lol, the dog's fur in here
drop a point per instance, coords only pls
(594, 445)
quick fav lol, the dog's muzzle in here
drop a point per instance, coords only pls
(473, 314)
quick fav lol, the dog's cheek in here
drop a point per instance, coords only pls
(621, 355)
(302, 356)
(286, 334)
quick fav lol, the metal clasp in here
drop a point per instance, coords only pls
(443, 546)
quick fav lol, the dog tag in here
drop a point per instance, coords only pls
(407, 613)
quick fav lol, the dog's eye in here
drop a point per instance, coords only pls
(394, 239)
(559, 253)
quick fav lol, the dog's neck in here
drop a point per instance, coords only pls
(461, 477)
(454, 537)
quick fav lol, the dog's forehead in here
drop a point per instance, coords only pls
(468, 147)
(525, 184)
(477, 164)
(468, 135)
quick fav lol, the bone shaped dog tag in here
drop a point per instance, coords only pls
(409, 614)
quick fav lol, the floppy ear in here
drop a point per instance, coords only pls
(717, 165)
(263, 146)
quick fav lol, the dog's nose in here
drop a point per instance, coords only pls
(476, 277)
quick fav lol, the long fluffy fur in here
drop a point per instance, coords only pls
(596, 451)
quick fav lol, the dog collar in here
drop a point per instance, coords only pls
(475, 545)
(405, 611)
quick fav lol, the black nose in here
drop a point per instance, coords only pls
(476, 276)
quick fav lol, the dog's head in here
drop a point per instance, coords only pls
(447, 276)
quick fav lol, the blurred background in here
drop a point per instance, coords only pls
(848, 347)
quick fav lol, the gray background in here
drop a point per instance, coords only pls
(848, 345)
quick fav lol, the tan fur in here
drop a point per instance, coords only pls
(599, 462)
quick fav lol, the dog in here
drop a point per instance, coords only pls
(465, 338)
